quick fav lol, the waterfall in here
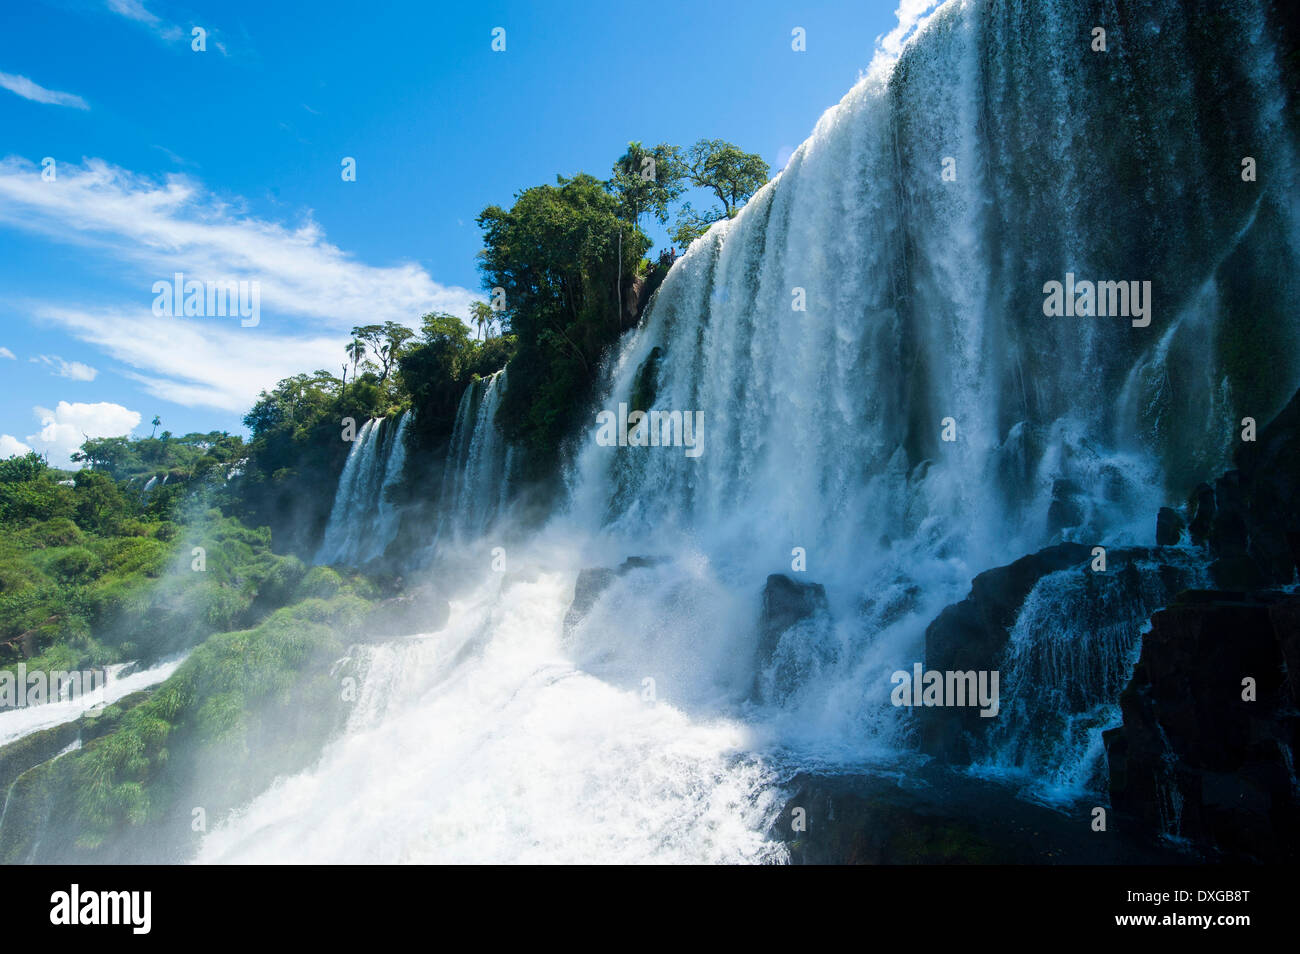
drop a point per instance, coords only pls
(1072, 650)
(886, 410)
(476, 482)
(363, 520)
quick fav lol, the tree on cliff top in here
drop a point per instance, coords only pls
(729, 173)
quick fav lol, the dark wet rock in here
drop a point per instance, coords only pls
(1201, 509)
(973, 634)
(1250, 517)
(23, 755)
(1169, 527)
(1270, 491)
(932, 815)
(794, 636)
(593, 581)
(421, 609)
(31, 750)
(785, 603)
(886, 610)
(1195, 760)
(1067, 508)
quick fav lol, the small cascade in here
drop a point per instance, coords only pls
(1071, 653)
(387, 514)
(476, 483)
(363, 520)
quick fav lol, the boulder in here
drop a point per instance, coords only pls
(593, 581)
(793, 636)
(1194, 759)
(1169, 527)
(973, 634)
(935, 815)
(1201, 510)
(1067, 508)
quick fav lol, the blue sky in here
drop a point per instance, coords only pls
(225, 163)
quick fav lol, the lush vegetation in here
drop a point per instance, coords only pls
(94, 570)
(563, 259)
(243, 707)
(566, 273)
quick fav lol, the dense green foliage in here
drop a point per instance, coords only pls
(94, 571)
(724, 170)
(558, 253)
(244, 706)
(186, 458)
(563, 259)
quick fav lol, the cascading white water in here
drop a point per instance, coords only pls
(476, 483)
(1071, 653)
(637, 735)
(387, 514)
(363, 519)
(109, 687)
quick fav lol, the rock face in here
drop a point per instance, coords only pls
(973, 634)
(593, 581)
(1192, 758)
(934, 815)
(1169, 527)
(793, 636)
(1250, 517)
(25, 763)
(1196, 760)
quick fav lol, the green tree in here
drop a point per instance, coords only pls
(356, 352)
(385, 342)
(483, 316)
(647, 180)
(558, 253)
(729, 173)
(21, 469)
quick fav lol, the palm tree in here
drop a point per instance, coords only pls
(356, 351)
(482, 316)
(156, 421)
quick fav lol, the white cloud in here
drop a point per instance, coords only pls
(133, 10)
(11, 446)
(67, 369)
(177, 226)
(68, 426)
(136, 11)
(6, 353)
(209, 362)
(27, 89)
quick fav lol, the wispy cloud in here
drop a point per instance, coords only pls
(27, 89)
(177, 226)
(74, 370)
(136, 11)
(202, 362)
(6, 353)
(133, 10)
